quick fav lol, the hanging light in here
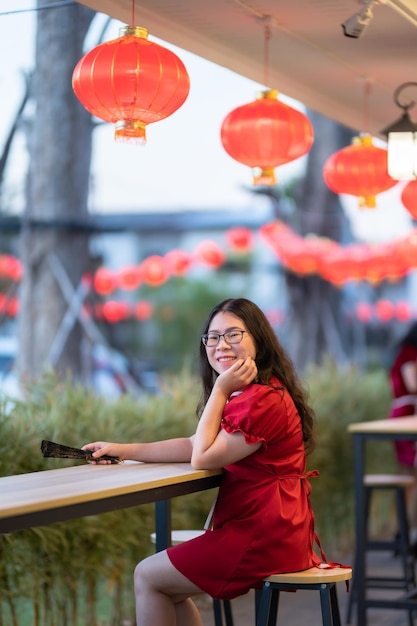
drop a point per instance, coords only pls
(402, 140)
(266, 133)
(131, 82)
(359, 170)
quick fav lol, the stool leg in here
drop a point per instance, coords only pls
(335, 605)
(263, 607)
(403, 526)
(228, 616)
(273, 608)
(406, 558)
(352, 594)
(217, 610)
(326, 606)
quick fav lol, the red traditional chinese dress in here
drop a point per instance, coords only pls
(263, 522)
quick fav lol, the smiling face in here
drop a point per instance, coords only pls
(222, 356)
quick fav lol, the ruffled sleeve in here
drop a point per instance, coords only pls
(259, 412)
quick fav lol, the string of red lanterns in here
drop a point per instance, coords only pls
(341, 264)
(117, 311)
(302, 255)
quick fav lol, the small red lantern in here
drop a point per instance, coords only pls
(240, 239)
(130, 278)
(104, 281)
(154, 271)
(115, 311)
(266, 133)
(364, 312)
(403, 311)
(131, 82)
(359, 170)
(209, 253)
(385, 310)
(143, 310)
(10, 267)
(409, 198)
(178, 262)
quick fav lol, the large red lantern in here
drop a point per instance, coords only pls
(409, 198)
(359, 170)
(266, 133)
(131, 82)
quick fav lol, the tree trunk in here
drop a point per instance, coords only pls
(57, 192)
(315, 304)
(315, 312)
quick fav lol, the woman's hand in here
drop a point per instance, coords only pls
(104, 447)
(238, 376)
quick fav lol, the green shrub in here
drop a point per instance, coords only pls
(340, 398)
(60, 569)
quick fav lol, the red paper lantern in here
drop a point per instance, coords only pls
(143, 310)
(266, 133)
(209, 253)
(104, 281)
(10, 267)
(130, 278)
(178, 262)
(115, 311)
(240, 239)
(403, 311)
(364, 312)
(409, 198)
(154, 271)
(359, 170)
(131, 82)
(385, 310)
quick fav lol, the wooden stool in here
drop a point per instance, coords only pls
(316, 579)
(220, 607)
(399, 545)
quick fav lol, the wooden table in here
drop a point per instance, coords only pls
(56, 495)
(398, 428)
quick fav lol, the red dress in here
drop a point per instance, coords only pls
(404, 403)
(263, 522)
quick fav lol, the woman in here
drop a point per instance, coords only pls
(255, 423)
(403, 377)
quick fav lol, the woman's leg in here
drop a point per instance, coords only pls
(162, 594)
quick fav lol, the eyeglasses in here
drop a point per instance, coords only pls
(232, 336)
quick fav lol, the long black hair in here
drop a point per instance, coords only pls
(271, 360)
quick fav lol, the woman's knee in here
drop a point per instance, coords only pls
(143, 578)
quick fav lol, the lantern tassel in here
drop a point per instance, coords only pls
(130, 131)
(264, 176)
(368, 202)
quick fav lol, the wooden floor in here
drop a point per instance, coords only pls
(303, 607)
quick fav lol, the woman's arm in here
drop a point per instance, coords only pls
(212, 446)
(168, 451)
